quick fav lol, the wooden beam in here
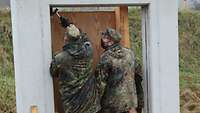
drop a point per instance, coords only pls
(87, 3)
(122, 24)
(92, 23)
(34, 109)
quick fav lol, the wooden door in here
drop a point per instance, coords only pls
(92, 23)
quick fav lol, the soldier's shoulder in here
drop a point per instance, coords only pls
(105, 56)
(129, 54)
(127, 50)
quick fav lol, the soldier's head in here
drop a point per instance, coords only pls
(72, 32)
(110, 37)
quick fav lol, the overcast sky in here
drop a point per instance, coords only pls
(4, 3)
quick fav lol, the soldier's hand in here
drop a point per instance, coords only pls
(54, 70)
(64, 22)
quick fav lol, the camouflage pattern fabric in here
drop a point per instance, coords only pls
(116, 81)
(77, 82)
(116, 36)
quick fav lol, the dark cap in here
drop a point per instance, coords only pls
(115, 35)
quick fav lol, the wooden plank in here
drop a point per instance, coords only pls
(34, 109)
(93, 23)
(122, 25)
(65, 3)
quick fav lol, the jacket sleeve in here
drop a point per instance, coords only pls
(56, 64)
(53, 67)
(101, 74)
(64, 22)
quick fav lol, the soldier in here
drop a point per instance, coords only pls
(115, 73)
(74, 68)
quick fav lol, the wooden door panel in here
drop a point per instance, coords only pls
(92, 23)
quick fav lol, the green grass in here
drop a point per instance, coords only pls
(189, 44)
(7, 96)
(189, 55)
(189, 80)
(189, 47)
(7, 82)
(135, 32)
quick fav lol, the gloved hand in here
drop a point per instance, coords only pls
(64, 22)
(54, 69)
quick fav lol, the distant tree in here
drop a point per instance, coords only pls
(195, 4)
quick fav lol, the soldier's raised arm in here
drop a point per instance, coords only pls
(71, 31)
(63, 20)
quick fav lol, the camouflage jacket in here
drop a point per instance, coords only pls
(77, 83)
(116, 80)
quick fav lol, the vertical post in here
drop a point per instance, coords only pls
(32, 55)
(146, 60)
(122, 24)
(163, 57)
(34, 109)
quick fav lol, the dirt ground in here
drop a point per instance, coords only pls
(190, 100)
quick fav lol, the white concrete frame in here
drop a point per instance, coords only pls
(32, 52)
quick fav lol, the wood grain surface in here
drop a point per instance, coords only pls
(92, 23)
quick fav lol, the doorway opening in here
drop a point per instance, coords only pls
(131, 21)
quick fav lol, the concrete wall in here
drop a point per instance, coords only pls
(164, 56)
(32, 52)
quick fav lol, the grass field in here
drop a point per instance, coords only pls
(189, 55)
(189, 41)
(189, 47)
(7, 82)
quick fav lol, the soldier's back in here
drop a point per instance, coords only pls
(77, 82)
(120, 92)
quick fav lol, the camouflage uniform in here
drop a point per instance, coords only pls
(77, 82)
(116, 77)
